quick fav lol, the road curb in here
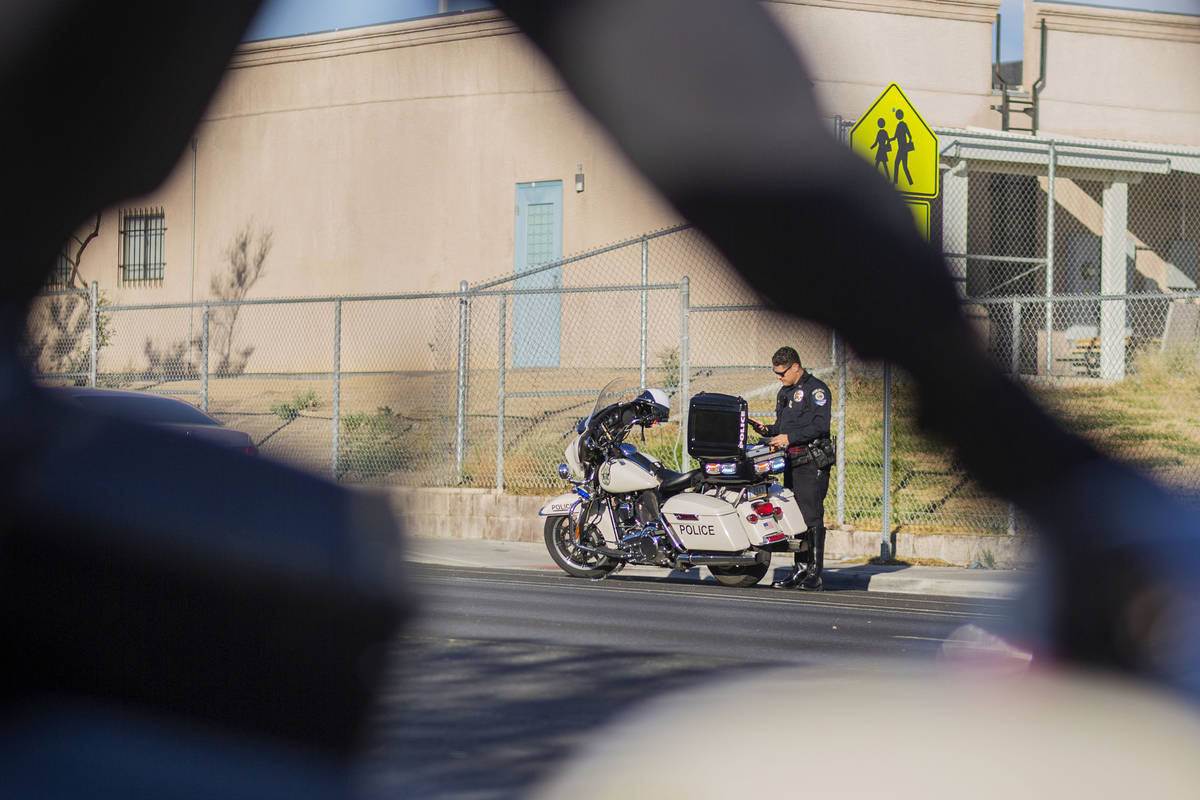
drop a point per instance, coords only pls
(464, 514)
(938, 581)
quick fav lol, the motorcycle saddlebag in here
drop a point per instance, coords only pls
(716, 426)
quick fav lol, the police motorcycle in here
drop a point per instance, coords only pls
(625, 507)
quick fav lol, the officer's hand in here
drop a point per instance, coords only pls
(758, 426)
(779, 441)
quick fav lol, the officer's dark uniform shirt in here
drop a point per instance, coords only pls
(802, 411)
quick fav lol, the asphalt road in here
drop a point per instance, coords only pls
(505, 671)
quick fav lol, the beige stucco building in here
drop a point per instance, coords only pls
(385, 158)
(402, 157)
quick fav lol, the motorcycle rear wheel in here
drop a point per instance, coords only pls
(739, 576)
(560, 541)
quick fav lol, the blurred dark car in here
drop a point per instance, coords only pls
(157, 410)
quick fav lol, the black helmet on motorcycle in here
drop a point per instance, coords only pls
(656, 406)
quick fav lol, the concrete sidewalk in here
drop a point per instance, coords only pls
(943, 581)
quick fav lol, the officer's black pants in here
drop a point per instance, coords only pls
(810, 486)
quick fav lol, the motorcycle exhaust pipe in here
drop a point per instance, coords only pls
(689, 560)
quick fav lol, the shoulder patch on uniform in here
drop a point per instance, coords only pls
(798, 396)
(819, 397)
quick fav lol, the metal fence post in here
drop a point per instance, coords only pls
(204, 359)
(500, 395)
(94, 323)
(645, 280)
(840, 360)
(1053, 157)
(460, 419)
(885, 511)
(337, 384)
(1016, 372)
(1016, 338)
(685, 303)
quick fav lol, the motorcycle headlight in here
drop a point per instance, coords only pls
(563, 472)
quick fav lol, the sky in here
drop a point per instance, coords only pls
(1013, 11)
(292, 17)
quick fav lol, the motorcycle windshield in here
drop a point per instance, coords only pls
(617, 390)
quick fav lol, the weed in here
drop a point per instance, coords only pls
(988, 558)
(288, 410)
(374, 444)
(668, 364)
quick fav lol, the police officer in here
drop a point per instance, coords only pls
(802, 411)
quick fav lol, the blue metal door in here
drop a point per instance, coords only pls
(537, 318)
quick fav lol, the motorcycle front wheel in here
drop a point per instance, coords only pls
(739, 576)
(560, 541)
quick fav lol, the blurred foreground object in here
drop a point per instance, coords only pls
(180, 620)
(907, 737)
(147, 408)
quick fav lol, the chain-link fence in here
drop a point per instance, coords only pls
(482, 387)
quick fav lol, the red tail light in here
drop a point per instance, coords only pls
(766, 509)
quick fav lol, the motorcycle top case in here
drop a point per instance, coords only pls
(716, 426)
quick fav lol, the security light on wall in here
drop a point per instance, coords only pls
(579, 177)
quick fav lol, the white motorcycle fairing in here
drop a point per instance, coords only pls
(560, 506)
(571, 456)
(571, 505)
(705, 524)
(621, 475)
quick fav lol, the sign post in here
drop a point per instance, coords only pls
(904, 150)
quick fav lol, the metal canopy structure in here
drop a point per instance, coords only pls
(1060, 164)
(1030, 154)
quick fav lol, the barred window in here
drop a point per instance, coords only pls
(142, 232)
(62, 268)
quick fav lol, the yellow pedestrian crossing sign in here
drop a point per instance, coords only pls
(920, 212)
(892, 135)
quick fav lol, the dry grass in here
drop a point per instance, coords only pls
(1151, 420)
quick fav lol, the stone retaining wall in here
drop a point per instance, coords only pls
(483, 514)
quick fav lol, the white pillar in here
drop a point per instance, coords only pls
(1113, 255)
(954, 224)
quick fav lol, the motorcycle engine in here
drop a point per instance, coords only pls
(646, 509)
(642, 536)
(650, 550)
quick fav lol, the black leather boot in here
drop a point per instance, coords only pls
(794, 577)
(812, 581)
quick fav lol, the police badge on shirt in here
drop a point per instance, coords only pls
(797, 398)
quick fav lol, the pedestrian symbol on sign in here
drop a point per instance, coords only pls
(900, 145)
(882, 147)
(904, 146)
